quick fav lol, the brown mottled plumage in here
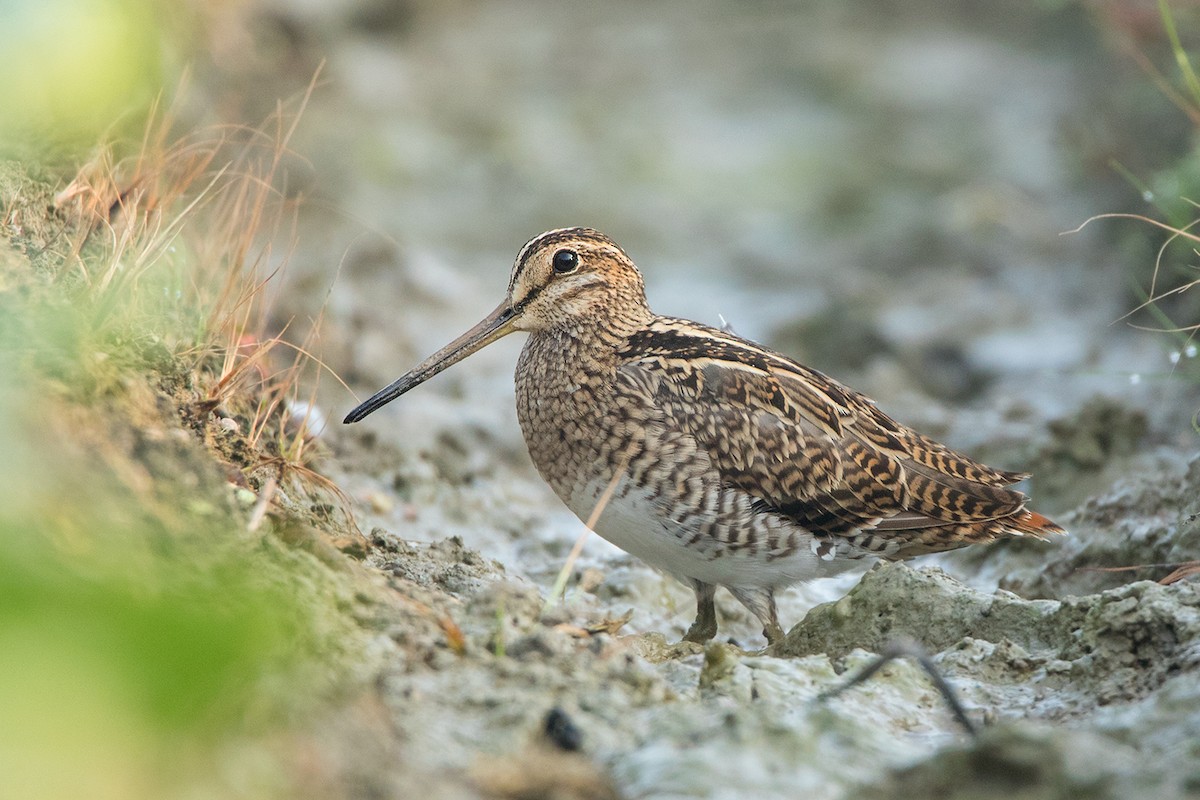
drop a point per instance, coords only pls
(738, 466)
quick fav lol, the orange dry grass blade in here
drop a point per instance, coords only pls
(239, 360)
(282, 438)
(1178, 571)
(135, 202)
(1154, 294)
(231, 180)
(560, 583)
(1185, 570)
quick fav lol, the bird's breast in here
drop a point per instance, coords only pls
(565, 405)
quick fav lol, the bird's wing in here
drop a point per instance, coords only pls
(807, 447)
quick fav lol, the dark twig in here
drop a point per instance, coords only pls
(900, 648)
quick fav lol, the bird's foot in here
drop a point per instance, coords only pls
(703, 629)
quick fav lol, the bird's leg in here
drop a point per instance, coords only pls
(705, 626)
(761, 603)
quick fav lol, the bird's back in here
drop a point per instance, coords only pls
(809, 448)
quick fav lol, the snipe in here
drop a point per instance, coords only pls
(737, 466)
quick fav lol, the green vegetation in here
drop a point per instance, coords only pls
(1171, 298)
(148, 623)
(1165, 300)
(75, 67)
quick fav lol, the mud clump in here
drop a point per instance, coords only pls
(1086, 450)
(447, 564)
(1017, 762)
(1149, 521)
(1114, 646)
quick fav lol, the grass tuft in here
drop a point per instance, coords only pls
(1169, 298)
(150, 618)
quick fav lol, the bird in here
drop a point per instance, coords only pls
(711, 457)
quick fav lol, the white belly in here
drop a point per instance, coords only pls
(643, 526)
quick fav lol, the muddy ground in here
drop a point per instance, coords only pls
(883, 195)
(881, 190)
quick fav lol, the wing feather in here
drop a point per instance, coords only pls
(811, 449)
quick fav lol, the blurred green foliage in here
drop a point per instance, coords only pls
(124, 651)
(148, 641)
(110, 678)
(134, 640)
(74, 69)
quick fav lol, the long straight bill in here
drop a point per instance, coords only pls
(494, 326)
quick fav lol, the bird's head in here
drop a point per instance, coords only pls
(574, 280)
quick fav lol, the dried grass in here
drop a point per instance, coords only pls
(182, 242)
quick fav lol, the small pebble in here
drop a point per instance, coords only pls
(200, 507)
(306, 417)
(561, 730)
(381, 502)
(591, 580)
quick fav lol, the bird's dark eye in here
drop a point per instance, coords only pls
(565, 261)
